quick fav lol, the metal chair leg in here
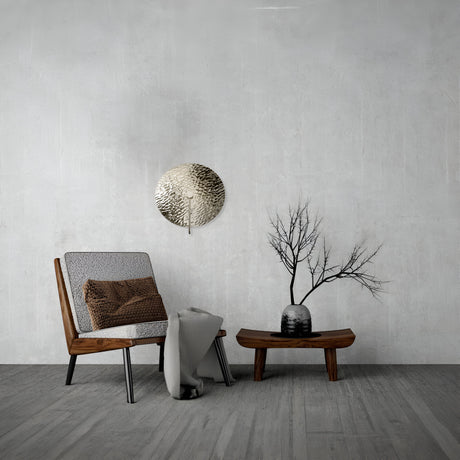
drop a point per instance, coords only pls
(128, 375)
(70, 369)
(222, 358)
(161, 364)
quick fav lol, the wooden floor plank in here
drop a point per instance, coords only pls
(294, 413)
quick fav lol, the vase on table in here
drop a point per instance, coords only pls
(296, 321)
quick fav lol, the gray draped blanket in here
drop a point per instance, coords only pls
(189, 352)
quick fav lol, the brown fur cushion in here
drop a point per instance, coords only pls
(115, 303)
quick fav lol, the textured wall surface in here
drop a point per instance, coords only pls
(354, 104)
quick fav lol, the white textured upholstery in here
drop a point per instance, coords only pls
(130, 331)
(110, 266)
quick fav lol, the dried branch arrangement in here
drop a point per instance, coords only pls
(299, 240)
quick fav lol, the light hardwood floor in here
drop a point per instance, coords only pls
(372, 412)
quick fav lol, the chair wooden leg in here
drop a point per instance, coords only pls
(162, 357)
(70, 369)
(222, 358)
(128, 375)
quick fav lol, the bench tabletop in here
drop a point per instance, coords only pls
(251, 338)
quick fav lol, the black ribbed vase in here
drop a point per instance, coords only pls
(296, 321)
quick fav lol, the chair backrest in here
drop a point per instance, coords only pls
(110, 266)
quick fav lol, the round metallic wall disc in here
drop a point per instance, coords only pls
(190, 195)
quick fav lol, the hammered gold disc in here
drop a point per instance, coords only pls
(190, 194)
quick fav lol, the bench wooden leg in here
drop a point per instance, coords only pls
(331, 363)
(259, 363)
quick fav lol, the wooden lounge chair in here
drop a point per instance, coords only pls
(80, 337)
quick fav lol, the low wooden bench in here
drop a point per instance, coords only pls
(329, 340)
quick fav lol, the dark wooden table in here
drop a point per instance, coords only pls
(329, 340)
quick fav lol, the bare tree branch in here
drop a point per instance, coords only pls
(297, 241)
(294, 240)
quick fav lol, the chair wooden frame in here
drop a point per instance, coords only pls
(82, 346)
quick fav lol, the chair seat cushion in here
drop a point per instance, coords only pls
(117, 303)
(130, 331)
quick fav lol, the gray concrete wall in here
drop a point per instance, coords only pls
(354, 104)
